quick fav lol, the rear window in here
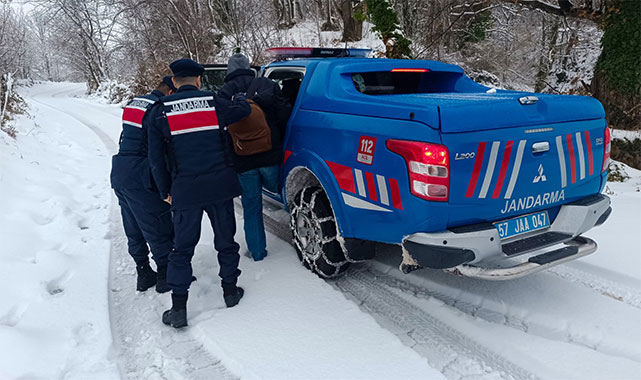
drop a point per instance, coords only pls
(213, 80)
(389, 83)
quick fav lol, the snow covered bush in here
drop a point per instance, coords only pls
(115, 92)
(10, 104)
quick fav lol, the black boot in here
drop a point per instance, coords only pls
(176, 317)
(146, 277)
(161, 280)
(232, 293)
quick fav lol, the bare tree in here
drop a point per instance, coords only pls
(351, 12)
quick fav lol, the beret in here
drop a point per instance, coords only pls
(186, 68)
(167, 80)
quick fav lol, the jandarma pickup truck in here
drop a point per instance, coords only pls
(464, 177)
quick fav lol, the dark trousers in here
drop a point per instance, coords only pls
(147, 220)
(187, 224)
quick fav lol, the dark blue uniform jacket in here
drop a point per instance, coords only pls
(187, 152)
(130, 167)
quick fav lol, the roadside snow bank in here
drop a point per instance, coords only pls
(54, 320)
(619, 238)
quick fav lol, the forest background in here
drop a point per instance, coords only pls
(122, 47)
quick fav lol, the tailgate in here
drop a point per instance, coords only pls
(496, 174)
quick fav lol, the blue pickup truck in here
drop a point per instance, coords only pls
(480, 182)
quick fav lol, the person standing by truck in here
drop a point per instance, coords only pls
(192, 168)
(262, 169)
(146, 219)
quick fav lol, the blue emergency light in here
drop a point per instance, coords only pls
(283, 53)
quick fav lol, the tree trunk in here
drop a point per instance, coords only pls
(352, 28)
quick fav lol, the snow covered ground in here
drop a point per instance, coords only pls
(72, 313)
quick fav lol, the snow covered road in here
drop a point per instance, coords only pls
(72, 303)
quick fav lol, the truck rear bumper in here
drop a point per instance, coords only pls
(463, 250)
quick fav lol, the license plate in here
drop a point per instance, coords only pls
(522, 224)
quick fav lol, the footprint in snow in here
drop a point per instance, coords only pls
(56, 286)
(40, 220)
(14, 315)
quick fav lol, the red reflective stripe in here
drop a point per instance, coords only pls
(568, 138)
(191, 120)
(287, 154)
(504, 165)
(371, 187)
(589, 145)
(478, 162)
(396, 194)
(133, 115)
(344, 176)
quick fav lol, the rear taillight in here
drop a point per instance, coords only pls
(606, 152)
(428, 166)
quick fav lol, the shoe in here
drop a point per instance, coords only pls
(161, 280)
(146, 277)
(232, 294)
(248, 254)
(176, 317)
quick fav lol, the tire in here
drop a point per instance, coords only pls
(315, 233)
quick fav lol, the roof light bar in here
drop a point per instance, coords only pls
(408, 70)
(282, 53)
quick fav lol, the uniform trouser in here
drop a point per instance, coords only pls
(146, 219)
(252, 182)
(187, 223)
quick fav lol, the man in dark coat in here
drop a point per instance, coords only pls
(146, 219)
(191, 165)
(262, 169)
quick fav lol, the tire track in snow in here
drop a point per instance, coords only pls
(144, 347)
(603, 286)
(480, 310)
(446, 349)
(453, 353)
(109, 144)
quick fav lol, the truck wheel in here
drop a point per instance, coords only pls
(315, 233)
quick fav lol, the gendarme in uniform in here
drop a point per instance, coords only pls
(146, 219)
(193, 170)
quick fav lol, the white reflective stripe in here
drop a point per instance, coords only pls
(382, 188)
(559, 149)
(191, 110)
(132, 124)
(188, 100)
(359, 203)
(207, 128)
(579, 148)
(360, 183)
(490, 169)
(137, 108)
(515, 169)
(145, 100)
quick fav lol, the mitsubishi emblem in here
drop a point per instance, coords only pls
(540, 177)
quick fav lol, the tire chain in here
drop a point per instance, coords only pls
(312, 264)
